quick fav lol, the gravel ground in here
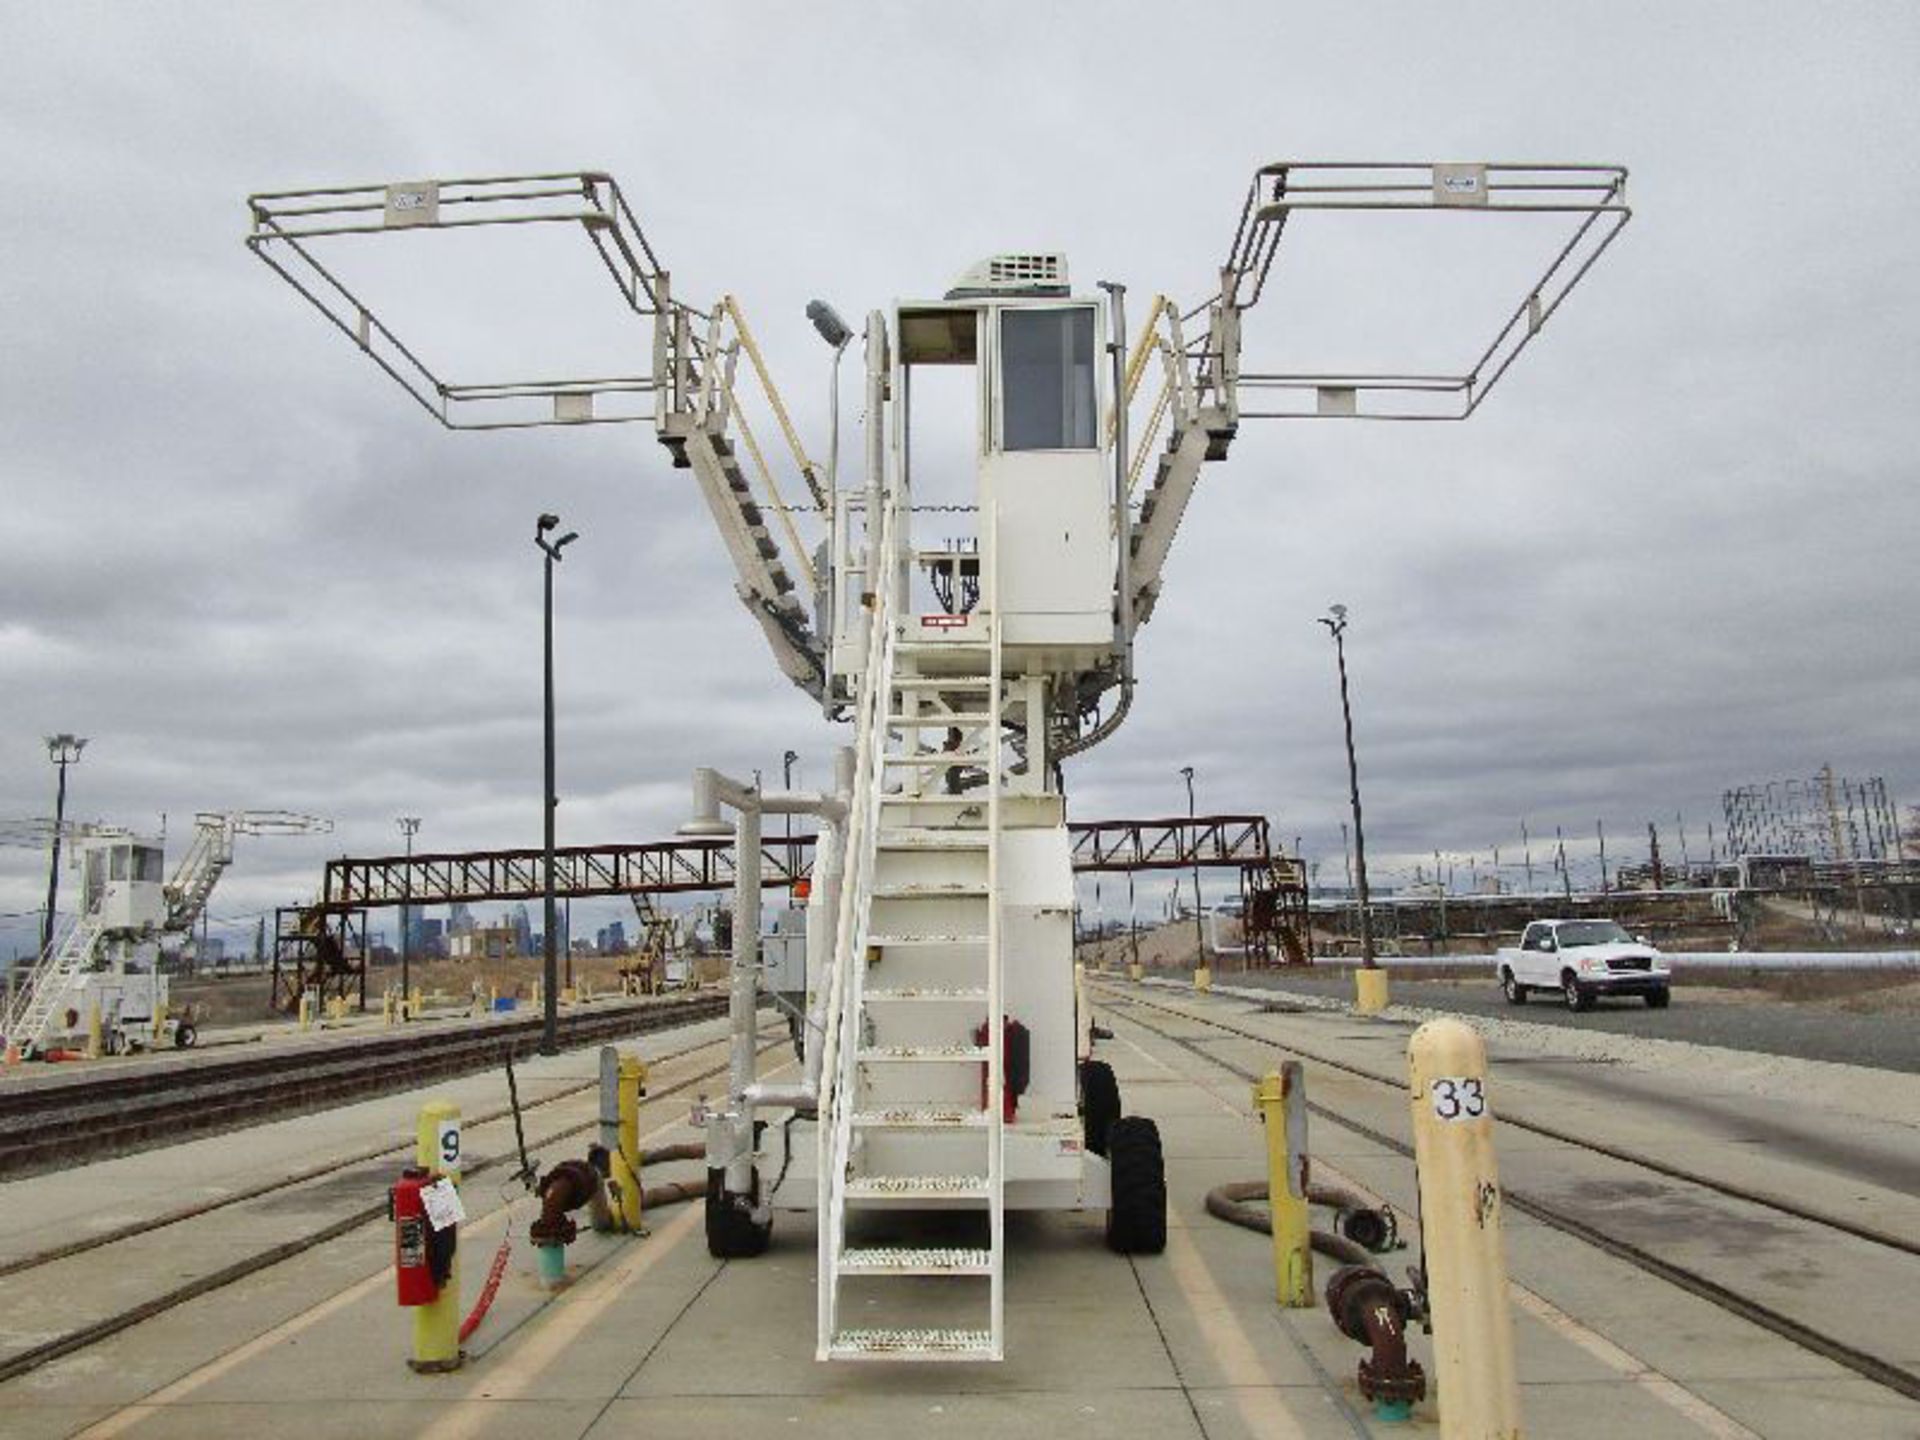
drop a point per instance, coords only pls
(1697, 1016)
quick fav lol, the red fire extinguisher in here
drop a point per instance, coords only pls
(1016, 1060)
(422, 1256)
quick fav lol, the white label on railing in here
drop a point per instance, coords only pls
(1458, 1097)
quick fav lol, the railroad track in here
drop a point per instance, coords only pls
(1726, 1296)
(46, 1127)
(55, 1269)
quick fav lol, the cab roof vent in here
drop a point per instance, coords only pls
(1020, 273)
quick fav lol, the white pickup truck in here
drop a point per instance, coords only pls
(1583, 960)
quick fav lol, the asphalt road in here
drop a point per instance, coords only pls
(1885, 1042)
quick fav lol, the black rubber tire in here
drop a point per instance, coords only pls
(1137, 1222)
(1578, 996)
(1659, 999)
(1515, 992)
(1099, 1103)
(731, 1231)
(184, 1035)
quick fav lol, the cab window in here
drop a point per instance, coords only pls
(1047, 392)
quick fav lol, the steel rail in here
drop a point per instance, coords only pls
(1872, 1367)
(180, 1215)
(64, 1124)
(84, 1336)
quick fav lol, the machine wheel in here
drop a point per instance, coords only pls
(184, 1035)
(1137, 1223)
(1099, 1103)
(1515, 992)
(731, 1231)
(1578, 997)
(1659, 999)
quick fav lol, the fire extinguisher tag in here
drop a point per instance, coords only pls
(442, 1200)
(412, 1243)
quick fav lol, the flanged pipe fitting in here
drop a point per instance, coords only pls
(1368, 1308)
(1378, 1230)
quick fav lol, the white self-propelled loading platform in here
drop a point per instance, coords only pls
(947, 1074)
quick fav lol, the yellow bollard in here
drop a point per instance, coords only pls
(386, 1007)
(96, 1032)
(568, 995)
(416, 1003)
(1460, 1206)
(306, 1010)
(1281, 1100)
(1203, 980)
(1136, 972)
(160, 1013)
(626, 1160)
(1369, 991)
(436, 1326)
(539, 994)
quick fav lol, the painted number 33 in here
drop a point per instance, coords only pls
(1459, 1099)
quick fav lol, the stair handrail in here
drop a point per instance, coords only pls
(73, 943)
(841, 1042)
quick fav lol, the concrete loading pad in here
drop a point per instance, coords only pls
(653, 1335)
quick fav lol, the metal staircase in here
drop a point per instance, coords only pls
(913, 1119)
(200, 870)
(47, 984)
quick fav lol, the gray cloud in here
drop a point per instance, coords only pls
(1673, 553)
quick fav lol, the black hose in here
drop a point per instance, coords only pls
(1229, 1202)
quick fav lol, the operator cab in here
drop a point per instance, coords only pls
(121, 882)
(1039, 453)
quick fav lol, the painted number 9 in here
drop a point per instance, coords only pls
(1459, 1097)
(449, 1146)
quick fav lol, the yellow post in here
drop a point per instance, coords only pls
(1281, 1099)
(626, 1160)
(417, 1003)
(539, 993)
(568, 995)
(1460, 1206)
(1203, 979)
(1136, 972)
(386, 1007)
(493, 998)
(96, 1031)
(436, 1326)
(1369, 991)
(306, 1010)
(159, 1023)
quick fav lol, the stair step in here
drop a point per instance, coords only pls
(921, 1117)
(933, 719)
(974, 801)
(913, 1345)
(928, 838)
(926, 995)
(976, 890)
(915, 1260)
(903, 942)
(938, 758)
(917, 1187)
(924, 1054)
(942, 682)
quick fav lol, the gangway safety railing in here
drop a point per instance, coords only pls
(47, 984)
(693, 380)
(1591, 197)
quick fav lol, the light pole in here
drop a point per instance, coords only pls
(63, 750)
(1199, 928)
(1336, 622)
(550, 1020)
(409, 827)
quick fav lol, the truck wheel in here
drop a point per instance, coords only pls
(184, 1035)
(1515, 992)
(1659, 999)
(1137, 1221)
(1578, 997)
(1099, 1103)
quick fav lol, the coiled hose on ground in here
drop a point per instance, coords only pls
(1230, 1202)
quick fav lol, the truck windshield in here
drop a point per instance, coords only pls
(1592, 932)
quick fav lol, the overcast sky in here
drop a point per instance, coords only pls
(1674, 553)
